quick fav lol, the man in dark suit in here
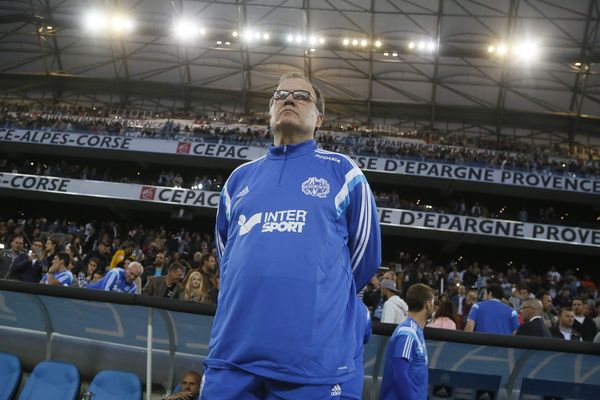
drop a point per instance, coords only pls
(531, 311)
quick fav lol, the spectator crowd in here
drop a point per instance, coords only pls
(155, 261)
(424, 145)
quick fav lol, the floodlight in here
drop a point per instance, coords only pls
(256, 35)
(386, 54)
(322, 40)
(354, 42)
(289, 38)
(577, 64)
(394, 54)
(526, 51)
(298, 39)
(235, 34)
(491, 49)
(378, 43)
(431, 46)
(49, 27)
(227, 43)
(364, 42)
(202, 31)
(312, 50)
(121, 24)
(312, 40)
(421, 45)
(266, 36)
(346, 42)
(502, 49)
(219, 42)
(95, 21)
(185, 30)
(411, 45)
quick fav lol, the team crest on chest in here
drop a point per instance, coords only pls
(317, 187)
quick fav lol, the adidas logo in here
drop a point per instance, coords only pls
(484, 396)
(336, 390)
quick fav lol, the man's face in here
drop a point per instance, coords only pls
(49, 246)
(189, 383)
(527, 311)
(57, 262)
(176, 275)
(197, 256)
(297, 116)
(37, 247)
(160, 258)
(547, 302)
(523, 294)
(211, 262)
(132, 274)
(566, 319)
(17, 244)
(577, 307)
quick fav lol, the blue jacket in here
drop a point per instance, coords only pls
(297, 235)
(114, 281)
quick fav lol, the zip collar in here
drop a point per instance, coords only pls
(291, 150)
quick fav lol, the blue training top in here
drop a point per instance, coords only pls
(493, 316)
(297, 233)
(114, 281)
(407, 343)
(65, 278)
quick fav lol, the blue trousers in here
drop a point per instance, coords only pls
(236, 384)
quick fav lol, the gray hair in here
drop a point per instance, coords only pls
(319, 100)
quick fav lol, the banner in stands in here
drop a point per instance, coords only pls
(477, 174)
(490, 227)
(113, 190)
(125, 143)
(375, 164)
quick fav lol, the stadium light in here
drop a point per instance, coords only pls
(346, 42)
(394, 54)
(411, 45)
(577, 64)
(491, 49)
(354, 42)
(121, 24)
(186, 30)
(289, 38)
(526, 51)
(431, 46)
(502, 49)
(363, 43)
(386, 54)
(421, 46)
(235, 34)
(322, 40)
(378, 43)
(95, 21)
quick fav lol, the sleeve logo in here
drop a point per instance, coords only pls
(147, 193)
(317, 187)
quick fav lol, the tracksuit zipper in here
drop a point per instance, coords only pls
(284, 161)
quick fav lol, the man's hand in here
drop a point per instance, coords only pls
(181, 396)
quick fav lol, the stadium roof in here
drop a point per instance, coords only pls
(454, 70)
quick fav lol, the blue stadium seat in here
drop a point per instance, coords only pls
(116, 385)
(10, 375)
(52, 380)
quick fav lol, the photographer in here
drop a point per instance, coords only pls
(29, 267)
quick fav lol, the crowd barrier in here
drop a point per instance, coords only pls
(158, 339)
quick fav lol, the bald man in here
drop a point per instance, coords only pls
(531, 311)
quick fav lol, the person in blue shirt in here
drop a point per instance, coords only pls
(405, 374)
(58, 274)
(297, 236)
(492, 316)
(119, 279)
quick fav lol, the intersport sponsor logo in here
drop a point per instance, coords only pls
(284, 221)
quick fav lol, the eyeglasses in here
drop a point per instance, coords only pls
(301, 95)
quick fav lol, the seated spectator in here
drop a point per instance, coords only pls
(582, 323)
(86, 277)
(189, 387)
(120, 280)
(166, 286)
(8, 256)
(29, 267)
(102, 253)
(445, 316)
(194, 289)
(58, 274)
(125, 253)
(565, 330)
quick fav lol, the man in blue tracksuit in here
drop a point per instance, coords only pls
(297, 236)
